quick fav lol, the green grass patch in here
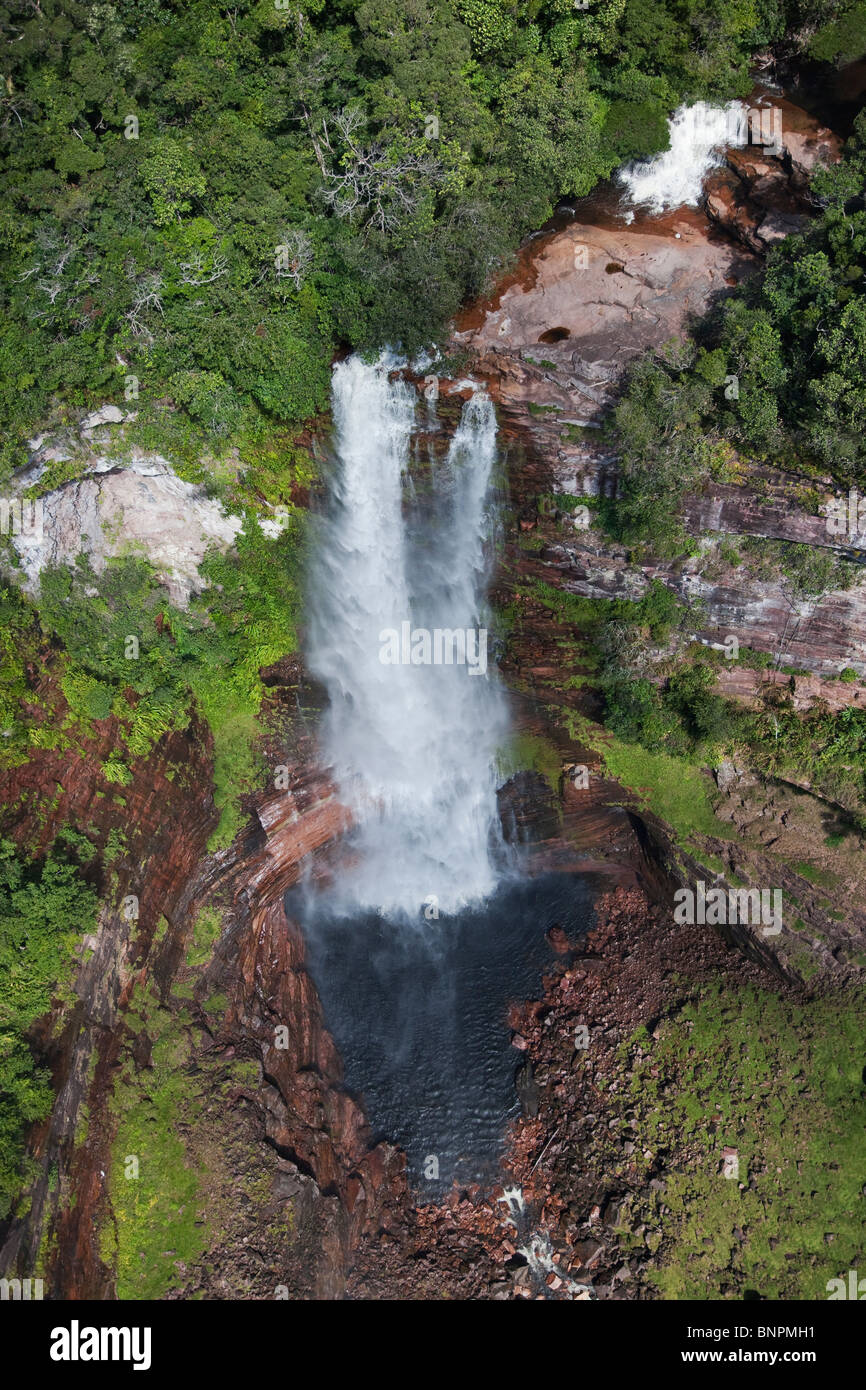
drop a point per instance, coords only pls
(530, 752)
(205, 934)
(217, 1004)
(158, 1214)
(782, 1084)
(814, 873)
(674, 789)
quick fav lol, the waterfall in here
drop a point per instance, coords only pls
(412, 739)
(698, 136)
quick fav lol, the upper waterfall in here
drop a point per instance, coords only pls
(398, 590)
(698, 136)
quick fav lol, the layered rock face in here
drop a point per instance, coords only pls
(316, 1127)
(824, 634)
(762, 194)
(586, 298)
(119, 500)
(167, 821)
(326, 1166)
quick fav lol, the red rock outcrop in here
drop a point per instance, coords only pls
(763, 193)
(598, 297)
(166, 815)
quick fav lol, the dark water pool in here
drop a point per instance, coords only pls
(419, 1014)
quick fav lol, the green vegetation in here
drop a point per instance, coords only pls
(667, 721)
(208, 199)
(806, 570)
(782, 1085)
(45, 909)
(677, 791)
(170, 1179)
(814, 873)
(19, 643)
(842, 38)
(131, 654)
(665, 725)
(827, 750)
(202, 203)
(679, 713)
(531, 752)
(205, 934)
(670, 711)
(658, 610)
(154, 1188)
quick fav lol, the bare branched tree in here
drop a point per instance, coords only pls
(13, 103)
(374, 182)
(193, 271)
(146, 298)
(56, 250)
(309, 75)
(51, 288)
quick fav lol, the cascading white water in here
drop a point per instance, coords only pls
(413, 746)
(698, 136)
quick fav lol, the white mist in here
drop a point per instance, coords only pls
(413, 747)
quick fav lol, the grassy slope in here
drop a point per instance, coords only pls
(782, 1085)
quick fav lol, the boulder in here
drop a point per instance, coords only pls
(106, 415)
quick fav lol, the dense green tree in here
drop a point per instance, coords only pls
(158, 155)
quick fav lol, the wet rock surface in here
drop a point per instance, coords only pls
(762, 195)
(598, 297)
(559, 1226)
(298, 1123)
(585, 298)
(167, 819)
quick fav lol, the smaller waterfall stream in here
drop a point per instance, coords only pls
(698, 134)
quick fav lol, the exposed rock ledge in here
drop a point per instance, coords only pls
(117, 508)
(761, 197)
(599, 298)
